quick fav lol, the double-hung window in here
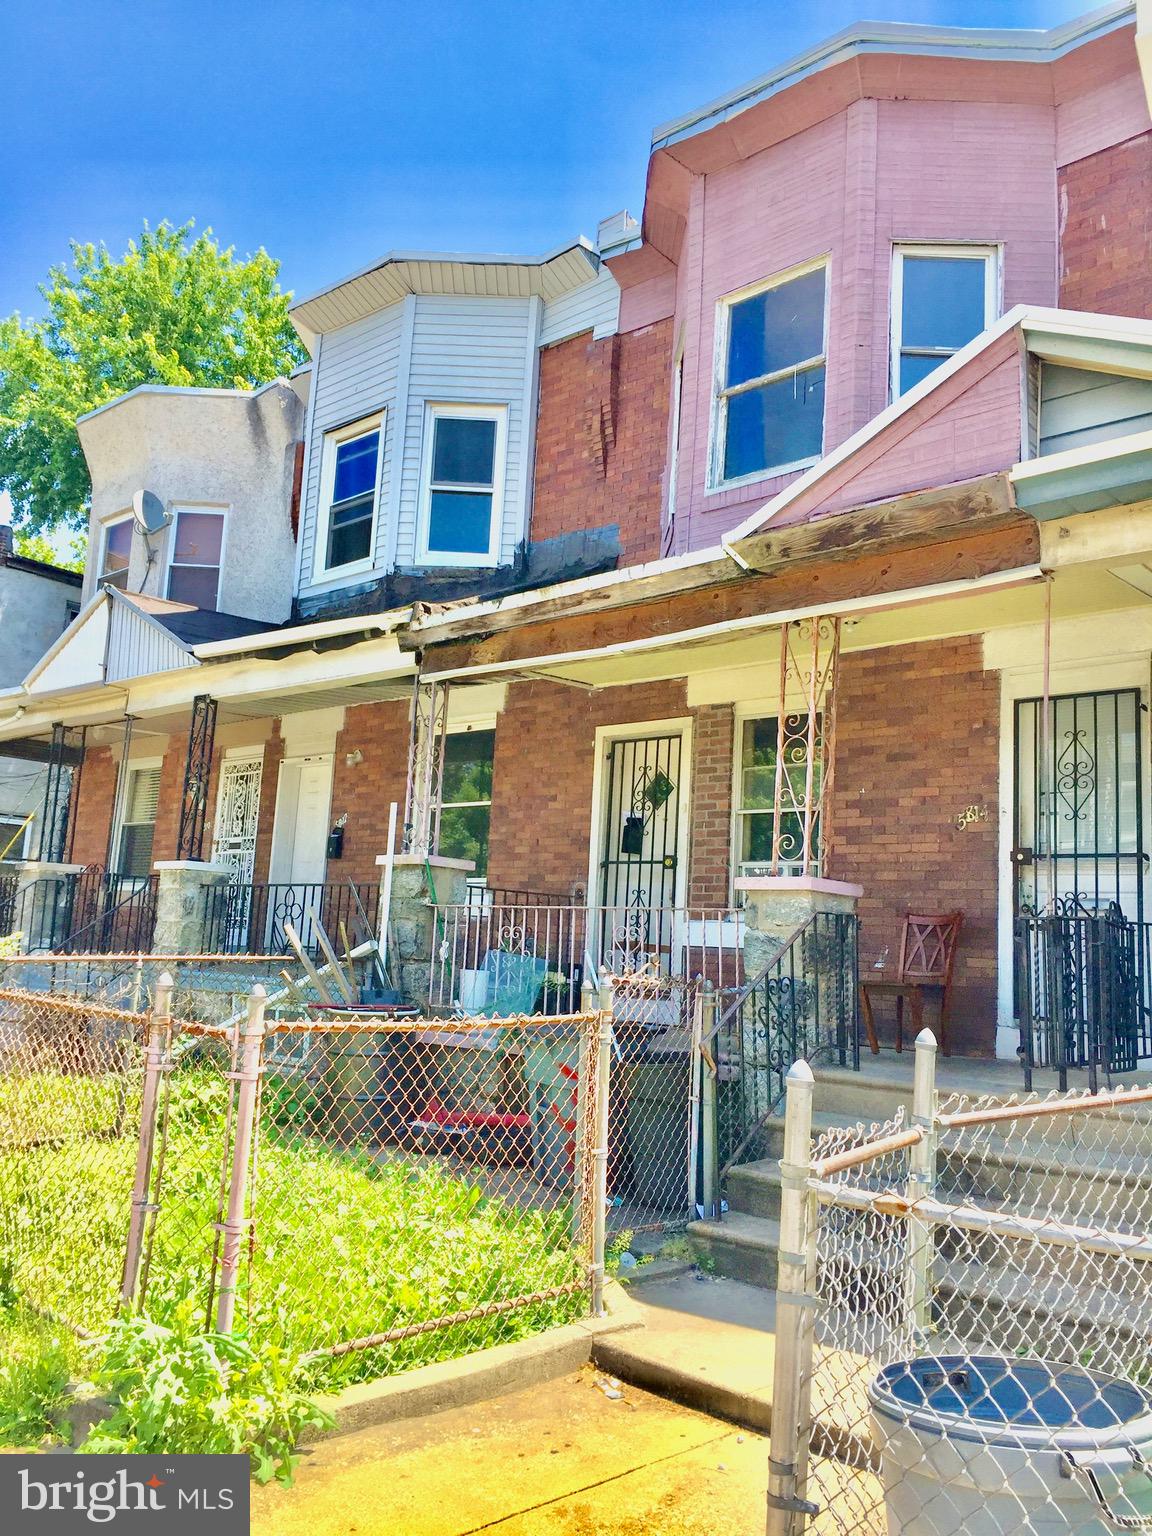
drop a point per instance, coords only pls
(350, 478)
(942, 296)
(770, 389)
(466, 797)
(197, 547)
(462, 489)
(138, 822)
(116, 553)
(760, 744)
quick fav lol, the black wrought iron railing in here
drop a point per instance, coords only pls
(9, 885)
(254, 919)
(1082, 985)
(114, 915)
(801, 1006)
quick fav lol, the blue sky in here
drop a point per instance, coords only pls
(329, 132)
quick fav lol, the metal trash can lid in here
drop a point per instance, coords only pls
(995, 1398)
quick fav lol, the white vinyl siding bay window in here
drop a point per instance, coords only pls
(115, 552)
(349, 492)
(771, 357)
(942, 297)
(462, 485)
(197, 556)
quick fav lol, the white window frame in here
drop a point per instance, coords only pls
(435, 411)
(178, 507)
(332, 439)
(944, 250)
(102, 553)
(721, 393)
(743, 713)
(133, 765)
(12, 821)
(471, 729)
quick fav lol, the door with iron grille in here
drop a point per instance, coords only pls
(1082, 976)
(640, 873)
(1079, 835)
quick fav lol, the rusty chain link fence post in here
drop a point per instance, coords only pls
(246, 1075)
(157, 1061)
(603, 1065)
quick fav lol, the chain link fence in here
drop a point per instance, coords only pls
(71, 1078)
(964, 1326)
(372, 1193)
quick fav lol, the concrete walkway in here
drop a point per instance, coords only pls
(706, 1342)
(561, 1459)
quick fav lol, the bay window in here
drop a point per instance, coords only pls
(349, 481)
(197, 546)
(116, 552)
(462, 495)
(942, 296)
(770, 391)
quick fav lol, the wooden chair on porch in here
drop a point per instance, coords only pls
(927, 954)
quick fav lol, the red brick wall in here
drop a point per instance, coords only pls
(93, 810)
(380, 732)
(542, 783)
(1106, 239)
(917, 740)
(601, 437)
(711, 805)
(273, 757)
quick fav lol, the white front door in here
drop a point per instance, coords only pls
(300, 837)
(238, 816)
(299, 848)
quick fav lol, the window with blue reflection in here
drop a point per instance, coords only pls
(462, 485)
(944, 301)
(772, 394)
(353, 502)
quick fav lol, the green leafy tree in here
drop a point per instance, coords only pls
(34, 546)
(174, 309)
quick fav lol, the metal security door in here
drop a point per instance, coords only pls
(238, 816)
(1082, 974)
(640, 850)
(1079, 833)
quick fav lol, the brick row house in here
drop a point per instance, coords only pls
(792, 544)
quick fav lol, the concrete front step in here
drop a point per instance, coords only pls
(706, 1343)
(739, 1246)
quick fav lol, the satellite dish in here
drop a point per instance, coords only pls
(148, 512)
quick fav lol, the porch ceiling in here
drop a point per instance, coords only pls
(256, 706)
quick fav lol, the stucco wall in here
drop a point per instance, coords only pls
(33, 610)
(213, 448)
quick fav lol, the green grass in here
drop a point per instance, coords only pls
(37, 1361)
(347, 1244)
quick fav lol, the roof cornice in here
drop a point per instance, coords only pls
(1014, 44)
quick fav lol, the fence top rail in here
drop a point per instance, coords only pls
(371, 1023)
(97, 957)
(1030, 1110)
(71, 1005)
(867, 1152)
(1051, 1230)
